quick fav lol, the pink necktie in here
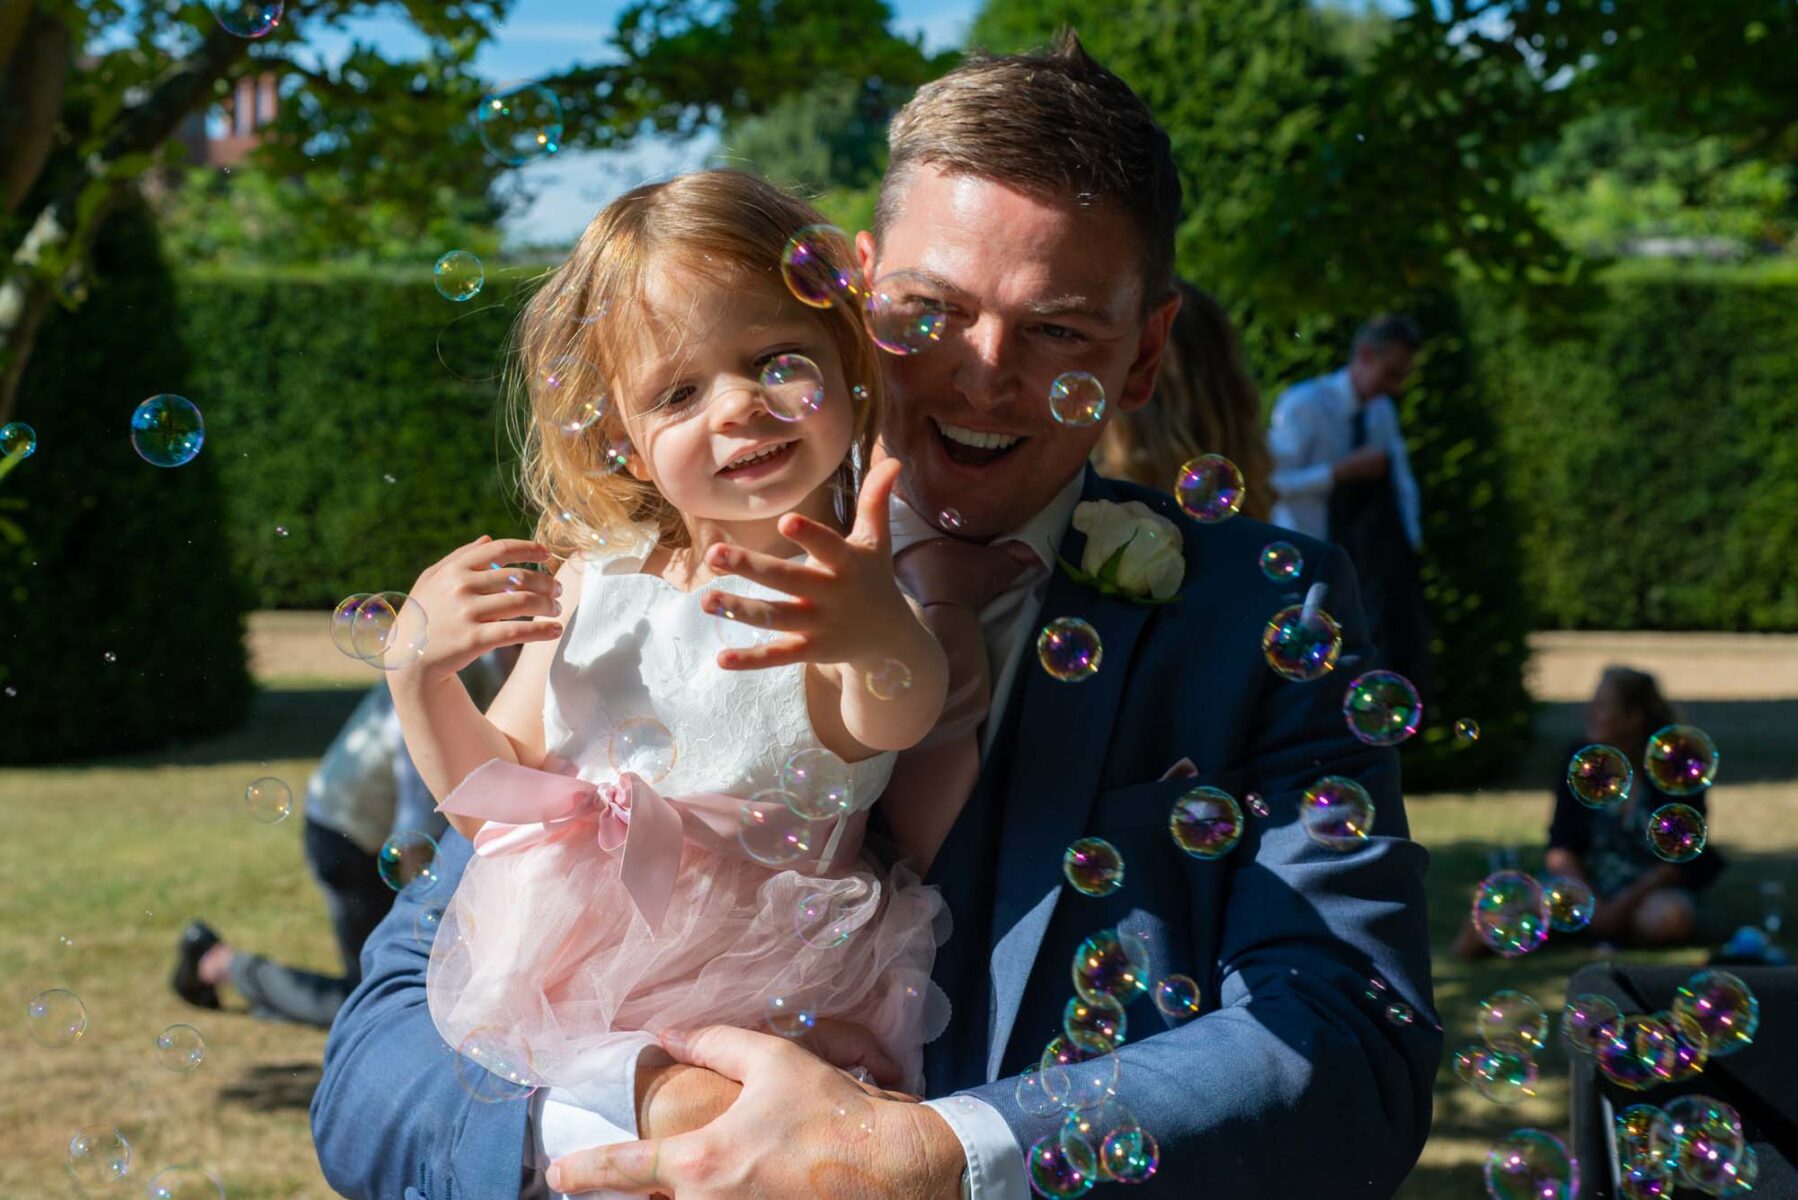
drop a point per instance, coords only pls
(953, 580)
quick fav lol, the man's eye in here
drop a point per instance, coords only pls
(1061, 333)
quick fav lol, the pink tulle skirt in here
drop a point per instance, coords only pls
(546, 945)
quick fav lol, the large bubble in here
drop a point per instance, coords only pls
(1510, 913)
(520, 124)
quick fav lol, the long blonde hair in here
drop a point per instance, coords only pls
(577, 331)
(1204, 403)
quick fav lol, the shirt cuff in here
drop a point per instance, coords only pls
(995, 1162)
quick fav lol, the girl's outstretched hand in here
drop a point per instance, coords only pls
(473, 600)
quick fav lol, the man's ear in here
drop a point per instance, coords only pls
(865, 257)
(1139, 383)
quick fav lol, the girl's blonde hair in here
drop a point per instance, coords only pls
(583, 324)
(1204, 403)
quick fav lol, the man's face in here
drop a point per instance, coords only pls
(1383, 371)
(1031, 289)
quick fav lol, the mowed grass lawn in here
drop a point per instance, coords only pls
(104, 864)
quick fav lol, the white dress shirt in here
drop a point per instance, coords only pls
(1311, 431)
(995, 1160)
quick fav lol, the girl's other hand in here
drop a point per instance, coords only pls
(479, 597)
(847, 1046)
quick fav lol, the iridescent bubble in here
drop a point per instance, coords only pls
(1077, 399)
(1032, 1097)
(1256, 804)
(1645, 1181)
(1512, 1019)
(1531, 1165)
(641, 746)
(388, 631)
(248, 18)
(1600, 776)
(1209, 488)
(268, 800)
(792, 387)
(889, 681)
(567, 385)
(1076, 1078)
(818, 265)
(167, 431)
(1676, 832)
(1510, 913)
(1740, 1177)
(343, 622)
(180, 1048)
(458, 276)
(1570, 903)
(520, 124)
(495, 1066)
(1337, 813)
(770, 831)
(99, 1155)
(1129, 1155)
(1301, 642)
(55, 1018)
(1096, 1026)
(1712, 1144)
(1681, 759)
(1504, 1075)
(1467, 731)
(1177, 996)
(1055, 1173)
(1466, 1060)
(1638, 1053)
(820, 783)
(904, 315)
(733, 634)
(1726, 1009)
(185, 1182)
(425, 926)
(1206, 822)
(1645, 1135)
(1382, 708)
(949, 520)
(1691, 1049)
(1586, 1020)
(789, 1016)
(1107, 965)
(1401, 1014)
(1069, 649)
(1093, 867)
(820, 920)
(17, 440)
(1281, 561)
(407, 860)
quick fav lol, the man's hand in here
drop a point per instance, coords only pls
(1369, 462)
(799, 1127)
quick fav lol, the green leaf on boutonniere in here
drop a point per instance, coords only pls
(1099, 584)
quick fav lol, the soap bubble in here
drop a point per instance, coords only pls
(1531, 1165)
(185, 1182)
(904, 315)
(1586, 1020)
(1337, 813)
(641, 746)
(1129, 1155)
(495, 1066)
(1096, 1026)
(1281, 561)
(1177, 996)
(1093, 867)
(1570, 903)
(1077, 1078)
(1057, 1174)
(407, 860)
(268, 800)
(1467, 731)
(1512, 1019)
(888, 681)
(1638, 1053)
(769, 829)
(1645, 1135)
(1256, 804)
(1739, 1178)
(1681, 759)
(1382, 708)
(1711, 1141)
(820, 783)
(1301, 642)
(1645, 1181)
(1504, 1074)
(820, 921)
(792, 387)
(788, 1017)
(818, 265)
(387, 630)
(1510, 913)
(949, 520)
(1031, 1095)
(343, 622)
(1691, 1049)
(17, 440)
(1069, 649)
(1076, 399)
(167, 431)
(1725, 1007)
(1600, 776)
(1206, 822)
(248, 18)
(99, 1155)
(1106, 965)
(520, 124)
(55, 1018)
(1401, 1014)
(180, 1048)
(1676, 832)
(458, 276)
(1210, 488)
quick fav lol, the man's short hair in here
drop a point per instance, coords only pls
(1387, 330)
(1053, 124)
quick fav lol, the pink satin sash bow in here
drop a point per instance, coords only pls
(526, 806)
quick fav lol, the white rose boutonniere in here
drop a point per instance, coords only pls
(1131, 551)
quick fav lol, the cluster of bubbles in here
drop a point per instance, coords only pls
(1695, 1141)
(1502, 1065)
(386, 630)
(167, 431)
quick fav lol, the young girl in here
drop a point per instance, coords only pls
(667, 806)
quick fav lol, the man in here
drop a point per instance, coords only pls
(1341, 473)
(1033, 200)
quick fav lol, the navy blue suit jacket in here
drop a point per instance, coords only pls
(1292, 1082)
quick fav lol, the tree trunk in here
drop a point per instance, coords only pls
(34, 72)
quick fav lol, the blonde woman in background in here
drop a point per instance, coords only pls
(1205, 403)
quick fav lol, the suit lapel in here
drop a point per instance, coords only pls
(1064, 734)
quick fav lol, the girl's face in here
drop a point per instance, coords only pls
(717, 443)
(1609, 722)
